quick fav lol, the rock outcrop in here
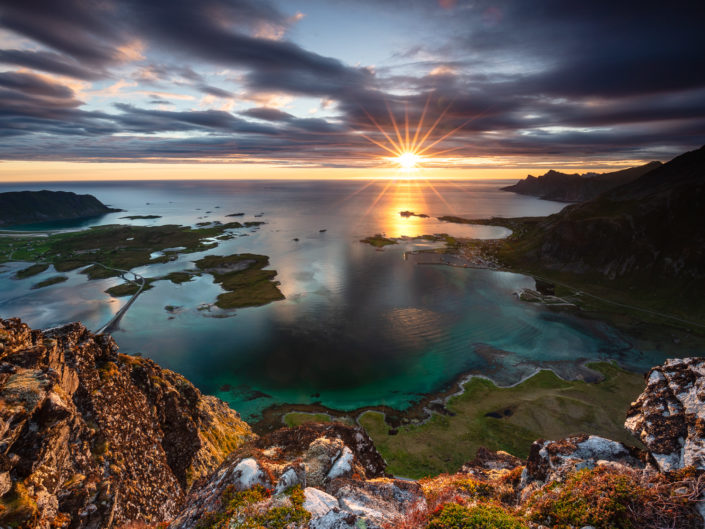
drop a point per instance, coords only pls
(90, 437)
(31, 207)
(669, 416)
(337, 467)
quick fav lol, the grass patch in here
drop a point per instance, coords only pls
(54, 280)
(378, 241)
(542, 406)
(242, 275)
(115, 246)
(178, 277)
(31, 271)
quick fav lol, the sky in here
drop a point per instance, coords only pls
(326, 88)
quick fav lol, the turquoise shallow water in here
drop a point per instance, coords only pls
(359, 327)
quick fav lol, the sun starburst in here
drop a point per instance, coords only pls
(409, 149)
(408, 160)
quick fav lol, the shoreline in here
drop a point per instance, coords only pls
(419, 412)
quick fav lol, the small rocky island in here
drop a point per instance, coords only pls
(90, 438)
(32, 207)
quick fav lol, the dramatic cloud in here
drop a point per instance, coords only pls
(275, 80)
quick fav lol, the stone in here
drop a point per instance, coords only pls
(669, 415)
(550, 460)
(317, 502)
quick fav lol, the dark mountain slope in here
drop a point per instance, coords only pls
(563, 187)
(31, 207)
(651, 229)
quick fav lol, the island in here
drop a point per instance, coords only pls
(33, 207)
(142, 217)
(408, 214)
(103, 252)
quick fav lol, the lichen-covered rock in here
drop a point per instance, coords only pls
(313, 455)
(490, 460)
(90, 437)
(551, 460)
(669, 416)
(381, 502)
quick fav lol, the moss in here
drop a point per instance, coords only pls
(378, 241)
(50, 281)
(31, 271)
(277, 518)
(486, 516)
(589, 497)
(108, 370)
(18, 508)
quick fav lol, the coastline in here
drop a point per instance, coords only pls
(419, 412)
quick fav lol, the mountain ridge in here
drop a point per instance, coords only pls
(564, 187)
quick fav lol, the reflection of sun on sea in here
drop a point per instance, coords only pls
(406, 196)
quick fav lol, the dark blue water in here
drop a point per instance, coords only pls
(359, 327)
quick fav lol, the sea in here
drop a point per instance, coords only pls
(359, 327)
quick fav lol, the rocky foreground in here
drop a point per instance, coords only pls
(90, 438)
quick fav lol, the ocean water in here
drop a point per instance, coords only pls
(359, 327)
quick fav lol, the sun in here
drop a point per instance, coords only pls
(408, 160)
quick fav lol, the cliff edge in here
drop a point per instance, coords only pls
(93, 438)
(90, 438)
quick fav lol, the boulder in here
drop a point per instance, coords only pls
(669, 416)
(552, 460)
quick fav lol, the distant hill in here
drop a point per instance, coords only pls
(31, 207)
(563, 187)
(650, 229)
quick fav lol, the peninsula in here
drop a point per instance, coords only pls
(33, 207)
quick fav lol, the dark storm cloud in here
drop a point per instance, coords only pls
(268, 114)
(34, 85)
(148, 121)
(49, 62)
(513, 77)
(214, 91)
(87, 31)
(210, 30)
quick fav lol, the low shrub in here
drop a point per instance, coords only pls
(483, 516)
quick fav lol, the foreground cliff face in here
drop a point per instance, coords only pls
(90, 438)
